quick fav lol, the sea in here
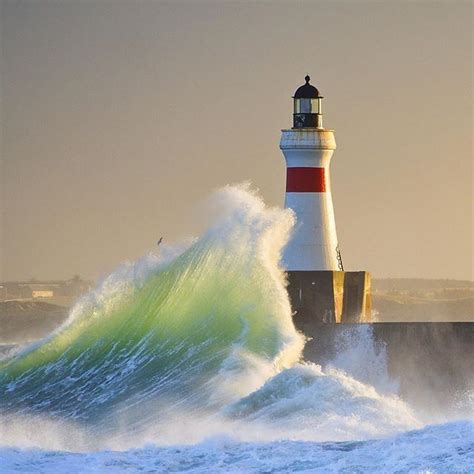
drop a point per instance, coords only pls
(187, 360)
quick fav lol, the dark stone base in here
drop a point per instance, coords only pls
(329, 297)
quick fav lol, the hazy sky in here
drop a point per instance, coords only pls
(118, 118)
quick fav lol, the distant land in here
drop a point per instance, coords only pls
(421, 300)
(418, 284)
(23, 321)
(39, 307)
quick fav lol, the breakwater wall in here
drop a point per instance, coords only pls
(430, 362)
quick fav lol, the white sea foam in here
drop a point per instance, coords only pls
(435, 449)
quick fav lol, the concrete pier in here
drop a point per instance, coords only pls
(432, 363)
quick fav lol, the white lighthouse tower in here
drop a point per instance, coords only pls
(308, 148)
(319, 289)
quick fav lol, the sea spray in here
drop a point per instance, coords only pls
(364, 358)
(179, 347)
(168, 329)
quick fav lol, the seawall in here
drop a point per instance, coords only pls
(433, 363)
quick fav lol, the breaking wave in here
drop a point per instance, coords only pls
(194, 343)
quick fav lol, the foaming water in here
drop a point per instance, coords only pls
(197, 343)
(435, 449)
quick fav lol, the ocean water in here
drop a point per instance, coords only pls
(188, 361)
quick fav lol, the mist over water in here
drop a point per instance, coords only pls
(195, 344)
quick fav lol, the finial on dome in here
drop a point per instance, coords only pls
(306, 91)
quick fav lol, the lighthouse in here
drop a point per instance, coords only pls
(319, 288)
(308, 148)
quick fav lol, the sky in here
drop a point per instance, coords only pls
(119, 118)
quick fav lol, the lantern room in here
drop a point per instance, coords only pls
(307, 107)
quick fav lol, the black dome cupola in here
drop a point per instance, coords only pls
(306, 91)
(307, 107)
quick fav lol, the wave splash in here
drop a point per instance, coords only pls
(195, 342)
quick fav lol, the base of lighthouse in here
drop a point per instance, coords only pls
(329, 297)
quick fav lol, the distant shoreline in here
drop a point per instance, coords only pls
(394, 300)
(419, 283)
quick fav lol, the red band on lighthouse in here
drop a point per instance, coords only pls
(305, 180)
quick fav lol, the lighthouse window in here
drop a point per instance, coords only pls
(316, 106)
(307, 106)
(304, 106)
